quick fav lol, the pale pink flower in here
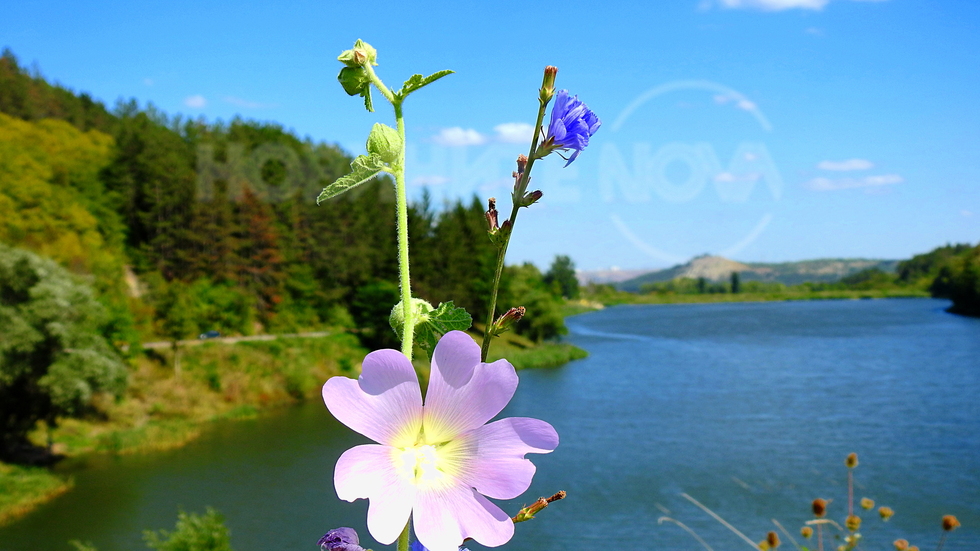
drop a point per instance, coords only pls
(440, 461)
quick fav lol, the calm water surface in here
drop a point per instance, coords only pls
(749, 408)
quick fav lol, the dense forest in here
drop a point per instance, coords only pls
(180, 226)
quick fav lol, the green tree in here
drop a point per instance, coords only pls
(562, 275)
(524, 286)
(736, 283)
(53, 355)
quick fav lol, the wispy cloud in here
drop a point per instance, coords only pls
(147, 82)
(433, 180)
(458, 137)
(834, 184)
(741, 103)
(247, 104)
(195, 101)
(514, 132)
(770, 5)
(850, 164)
(774, 5)
(815, 31)
(966, 213)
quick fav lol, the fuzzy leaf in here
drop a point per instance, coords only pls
(418, 81)
(362, 169)
(447, 317)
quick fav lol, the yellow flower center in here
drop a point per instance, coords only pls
(420, 464)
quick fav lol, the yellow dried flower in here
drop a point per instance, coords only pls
(853, 522)
(913, 548)
(772, 539)
(763, 545)
(806, 532)
(901, 545)
(886, 513)
(950, 523)
(867, 503)
(819, 507)
(851, 461)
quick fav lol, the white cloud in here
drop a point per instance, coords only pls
(433, 180)
(514, 132)
(147, 82)
(774, 5)
(829, 184)
(815, 31)
(246, 103)
(746, 105)
(771, 5)
(456, 137)
(965, 212)
(850, 164)
(195, 102)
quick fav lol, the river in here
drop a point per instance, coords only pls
(748, 408)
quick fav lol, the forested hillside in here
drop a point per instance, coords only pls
(181, 226)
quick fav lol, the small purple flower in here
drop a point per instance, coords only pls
(340, 539)
(572, 124)
(438, 462)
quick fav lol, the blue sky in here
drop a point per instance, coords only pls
(764, 130)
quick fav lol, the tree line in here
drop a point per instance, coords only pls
(181, 226)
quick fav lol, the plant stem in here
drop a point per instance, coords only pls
(403, 538)
(519, 188)
(401, 205)
(401, 202)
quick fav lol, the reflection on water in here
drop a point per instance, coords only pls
(749, 408)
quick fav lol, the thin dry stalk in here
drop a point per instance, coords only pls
(686, 529)
(721, 520)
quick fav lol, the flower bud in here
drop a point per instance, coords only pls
(901, 545)
(853, 522)
(354, 80)
(772, 538)
(886, 513)
(509, 318)
(491, 215)
(950, 523)
(867, 503)
(384, 142)
(851, 461)
(819, 507)
(548, 84)
(361, 54)
(531, 197)
(340, 539)
(806, 532)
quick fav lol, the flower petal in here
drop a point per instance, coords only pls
(443, 519)
(464, 393)
(498, 468)
(368, 471)
(384, 403)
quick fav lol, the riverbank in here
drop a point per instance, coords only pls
(609, 297)
(163, 409)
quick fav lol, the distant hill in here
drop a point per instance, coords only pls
(613, 275)
(716, 268)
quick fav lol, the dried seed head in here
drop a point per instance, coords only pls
(901, 545)
(763, 545)
(867, 503)
(819, 507)
(851, 461)
(806, 532)
(913, 548)
(950, 523)
(886, 513)
(853, 522)
(772, 539)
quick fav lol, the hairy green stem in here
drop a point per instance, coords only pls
(401, 205)
(519, 189)
(401, 201)
(403, 538)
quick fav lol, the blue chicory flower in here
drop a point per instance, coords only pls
(340, 539)
(572, 124)
(417, 546)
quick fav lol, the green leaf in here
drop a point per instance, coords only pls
(418, 81)
(397, 317)
(362, 169)
(447, 317)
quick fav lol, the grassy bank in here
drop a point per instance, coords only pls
(217, 381)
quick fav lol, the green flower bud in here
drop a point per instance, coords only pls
(361, 54)
(384, 142)
(355, 80)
